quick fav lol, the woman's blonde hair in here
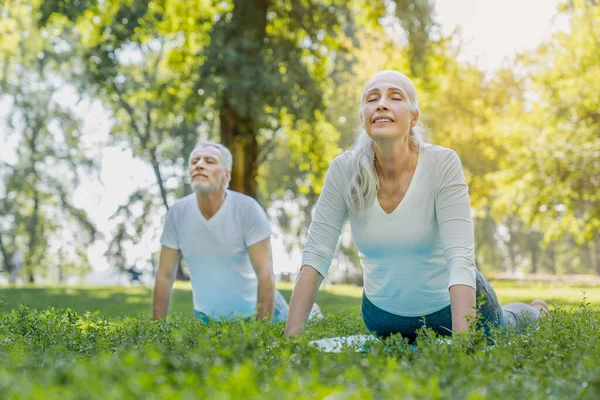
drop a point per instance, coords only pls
(364, 183)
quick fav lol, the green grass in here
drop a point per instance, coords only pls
(117, 352)
(135, 301)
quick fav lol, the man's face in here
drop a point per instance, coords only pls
(206, 169)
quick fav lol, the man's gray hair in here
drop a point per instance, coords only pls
(226, 157)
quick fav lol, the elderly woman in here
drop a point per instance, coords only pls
(410, 215)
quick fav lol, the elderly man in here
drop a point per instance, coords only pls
(224, 237)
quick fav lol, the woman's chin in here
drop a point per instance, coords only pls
(381, 133)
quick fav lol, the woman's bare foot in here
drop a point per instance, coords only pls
(541, 306)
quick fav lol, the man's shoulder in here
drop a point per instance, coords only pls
(241, 199)
(243, 205)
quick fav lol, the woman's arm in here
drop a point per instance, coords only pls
(462, 304)
(302, 299)
(323, 235)
(453, 211)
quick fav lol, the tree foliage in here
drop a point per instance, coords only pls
(251, 72)
(551, 176)
(279, 82)
(37, 212)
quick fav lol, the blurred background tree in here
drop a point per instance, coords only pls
(37, 214)
(279, 82)
(550, 178)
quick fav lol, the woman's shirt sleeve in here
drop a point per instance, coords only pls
(328, 219)
(455, 223)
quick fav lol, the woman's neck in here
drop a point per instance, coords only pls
(393, 158)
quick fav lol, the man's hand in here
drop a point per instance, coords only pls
(262, 261)
(163, 284)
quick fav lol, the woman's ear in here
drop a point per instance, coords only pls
(415, 118)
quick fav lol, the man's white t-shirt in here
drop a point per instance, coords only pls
(224, 283)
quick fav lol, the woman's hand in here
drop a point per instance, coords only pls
(303, 298)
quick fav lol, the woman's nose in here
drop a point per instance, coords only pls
(382, 105)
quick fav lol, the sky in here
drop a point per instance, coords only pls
(492, 33)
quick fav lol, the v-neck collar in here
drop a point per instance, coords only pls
(408, 191)
(215, 215)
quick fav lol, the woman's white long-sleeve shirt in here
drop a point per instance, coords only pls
(411, 256)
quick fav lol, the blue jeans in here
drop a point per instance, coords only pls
(280, 314)
(383, 323)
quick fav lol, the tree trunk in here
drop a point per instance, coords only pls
(243, 175)
(236, 135)
(534, 261)
(246, 39)
(552, 259)
(159, 178)
(533, 240)
(5, 255)
(32, 231)
(512, 254)
(586, 255)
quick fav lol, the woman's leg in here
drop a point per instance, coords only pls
(521, 315)
(382, 323)
(517, 315)
(488, 306)
(201, 316)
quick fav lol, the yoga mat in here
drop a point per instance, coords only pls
(355, 342)
(337, 344)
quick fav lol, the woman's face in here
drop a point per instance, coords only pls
(386, 108)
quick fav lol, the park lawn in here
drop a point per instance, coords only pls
(119, 301)
(66, 353)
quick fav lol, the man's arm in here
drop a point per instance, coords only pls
(262, 261)
(163, 284)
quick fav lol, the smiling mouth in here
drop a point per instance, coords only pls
(382, 120)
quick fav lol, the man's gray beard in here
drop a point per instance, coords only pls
(203, 189)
